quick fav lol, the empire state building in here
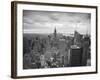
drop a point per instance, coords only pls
(55, 34)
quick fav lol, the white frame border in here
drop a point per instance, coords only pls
(35, 72)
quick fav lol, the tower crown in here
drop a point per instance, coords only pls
(55, 33)
(55, 30)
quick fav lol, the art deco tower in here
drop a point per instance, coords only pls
(55, 34)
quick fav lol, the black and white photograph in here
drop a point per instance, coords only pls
(53, 39)
(56, 39)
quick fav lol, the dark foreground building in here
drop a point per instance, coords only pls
(76, 56)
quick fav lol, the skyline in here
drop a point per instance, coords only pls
(44, 22)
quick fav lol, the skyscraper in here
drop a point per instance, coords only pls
(55, 34)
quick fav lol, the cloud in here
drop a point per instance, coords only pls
(63, 21)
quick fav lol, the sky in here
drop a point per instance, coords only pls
(44, 22)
